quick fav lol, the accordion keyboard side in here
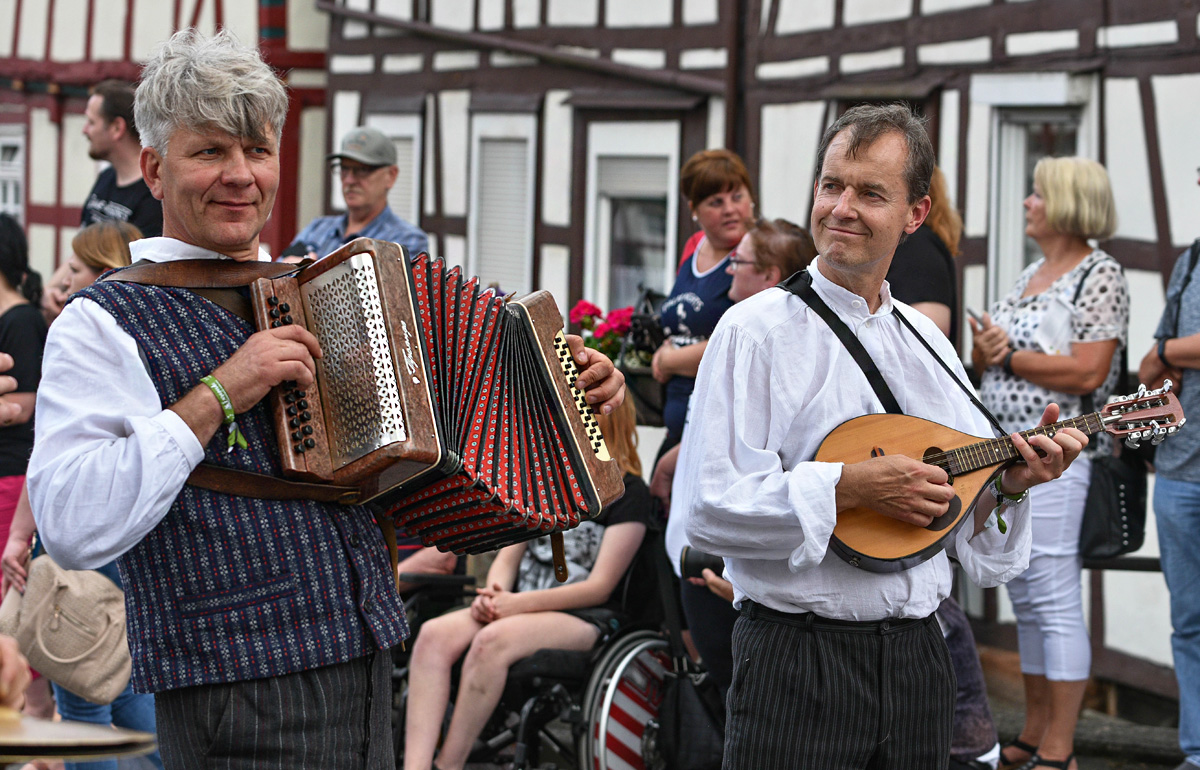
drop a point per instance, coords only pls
(545, 321)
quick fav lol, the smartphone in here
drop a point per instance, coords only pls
(978, 318)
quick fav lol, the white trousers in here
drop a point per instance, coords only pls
(1047, 598)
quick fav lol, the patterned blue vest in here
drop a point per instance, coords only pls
(231, 588)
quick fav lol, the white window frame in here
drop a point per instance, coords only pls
(651, 139)
(408, 127)
(499, 125)
(1054, 92)
(14, 134)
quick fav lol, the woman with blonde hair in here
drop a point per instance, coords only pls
(522, 609)
(1056, 337)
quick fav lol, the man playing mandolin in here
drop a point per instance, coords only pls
(837, 665)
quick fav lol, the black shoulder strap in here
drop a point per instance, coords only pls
(800, 284)
(1088, 402)
(961, 385)
(1193, 256)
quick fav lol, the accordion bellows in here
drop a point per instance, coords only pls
(449, 408)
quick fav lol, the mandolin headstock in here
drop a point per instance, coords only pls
(1147, 414)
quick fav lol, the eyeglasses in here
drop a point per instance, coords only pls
(734, 261)
(358, 172)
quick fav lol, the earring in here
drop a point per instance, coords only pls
(695, 218)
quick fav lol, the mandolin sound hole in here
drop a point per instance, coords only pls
(931, 457)
(948, 518)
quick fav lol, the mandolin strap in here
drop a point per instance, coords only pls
(800, 284)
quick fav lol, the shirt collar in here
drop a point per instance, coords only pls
(163, 249)
(383, 217)
(845, 302)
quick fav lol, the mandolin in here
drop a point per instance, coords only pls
(879, 543)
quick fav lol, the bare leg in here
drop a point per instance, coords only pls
(485, 669)
(1064, 699)
(439, 645)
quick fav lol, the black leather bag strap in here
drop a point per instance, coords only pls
(800, 284)
(1088, 402)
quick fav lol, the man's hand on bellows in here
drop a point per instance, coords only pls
(268, 358)
(1060, 452)
(603, 382)
(896, 486)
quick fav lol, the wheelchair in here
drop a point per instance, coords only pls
(590, 710)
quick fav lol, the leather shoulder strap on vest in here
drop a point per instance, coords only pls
(200, 273)
(262, 487)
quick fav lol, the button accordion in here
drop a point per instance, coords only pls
(447, 406)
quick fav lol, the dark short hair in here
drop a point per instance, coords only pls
(14, 260)
(709, 172)
(116, 101)
(868, 122)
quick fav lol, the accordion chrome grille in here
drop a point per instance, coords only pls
(356, 375)
(567, 362)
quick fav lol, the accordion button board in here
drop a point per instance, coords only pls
(450, 408)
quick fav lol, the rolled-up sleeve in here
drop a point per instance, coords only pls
(108, 459)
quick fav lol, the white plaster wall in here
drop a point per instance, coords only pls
(506, 59)
(1137, 612)
(971, 51)
(640, 57)
(803, 16)
(307, 28)
(700, 12)
(70, 32)
(888, 58)
(790, 135)
(527, 13)
(454, 14)
(108, 34)
(974, 296)
(979, 129)
(31, 43)
(397, 9)
(1128, 163)
(8, 13)
(242, 19)
(65, 236)
(573, 13)
(352, 64)
(638, 13)
(43, 246)
(796, 68)
(434, 250)
(948, 142)
(207, 21)
(556, 273)
(716, 123)
(444, 61)
(455, 140)
(455, 251)
(557, 129)
(308, 79)
(400, 63)
(491, 14)
(940, 6)
(312, 168)
(152, 24)
(872, 11)
(354, 29)
(43, 158)
(75, 185)
(1178, 114)
(703, 58)
(347, 106)
(1146, 287)
(431, 117)
(1126, 35)
(1030, 43)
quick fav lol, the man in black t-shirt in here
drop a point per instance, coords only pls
(120, 193)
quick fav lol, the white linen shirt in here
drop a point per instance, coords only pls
(108, 460)
(773, 383)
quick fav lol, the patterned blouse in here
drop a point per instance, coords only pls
(1101, 313)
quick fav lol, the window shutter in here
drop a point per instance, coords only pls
(400, 197)
(504, 247)
(643, 177)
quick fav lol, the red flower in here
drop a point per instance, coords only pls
(602, 330)
(584, 309)
(619, 319)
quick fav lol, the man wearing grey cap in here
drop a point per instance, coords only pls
(367, 168)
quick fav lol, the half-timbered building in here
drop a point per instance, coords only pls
(540, 142)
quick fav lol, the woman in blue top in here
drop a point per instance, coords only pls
(721, 199)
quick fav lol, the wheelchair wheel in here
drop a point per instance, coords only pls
(621, 698)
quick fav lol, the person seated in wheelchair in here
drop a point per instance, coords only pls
(521, 610)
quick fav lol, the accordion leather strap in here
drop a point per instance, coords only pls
(263, 487)
(201, 273)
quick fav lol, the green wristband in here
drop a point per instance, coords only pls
(236, 437)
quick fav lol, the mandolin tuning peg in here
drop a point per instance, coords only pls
(1133, 441)
(1167, 385)
(1141, 390)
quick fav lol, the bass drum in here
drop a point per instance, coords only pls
(621, 705)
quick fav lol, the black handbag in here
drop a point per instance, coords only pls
(1114, 517)
(644, 337)
(688, 733)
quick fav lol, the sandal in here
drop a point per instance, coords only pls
(1016, 764)
(1058, 764)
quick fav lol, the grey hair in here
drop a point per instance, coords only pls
(868, 122)
(205, 83)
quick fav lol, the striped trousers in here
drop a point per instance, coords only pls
(814, 694)
(335, 718)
